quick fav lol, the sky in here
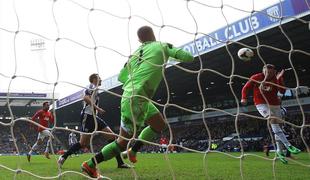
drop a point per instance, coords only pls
(38, 59)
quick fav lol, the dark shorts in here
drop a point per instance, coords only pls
(88, 123)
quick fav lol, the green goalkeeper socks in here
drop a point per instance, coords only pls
(111, 150)
(108, 152)
(147, 134)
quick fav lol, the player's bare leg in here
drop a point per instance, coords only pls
(157, 122)
(110, 135)
(84, 140)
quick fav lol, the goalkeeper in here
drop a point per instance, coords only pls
(140, 77)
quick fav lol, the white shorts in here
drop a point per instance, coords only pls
(43, 134)
(266, 111)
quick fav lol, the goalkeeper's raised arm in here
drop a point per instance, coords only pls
(179, 54)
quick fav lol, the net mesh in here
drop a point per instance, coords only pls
(62, 39)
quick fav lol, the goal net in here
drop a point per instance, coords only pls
(52, 46)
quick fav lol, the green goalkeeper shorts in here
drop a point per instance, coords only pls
(138, 110)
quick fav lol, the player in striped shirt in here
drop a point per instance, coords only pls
(88, 118)
(73, 140)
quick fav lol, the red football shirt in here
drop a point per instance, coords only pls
(44, 118)
(267, 89)
(163, 140)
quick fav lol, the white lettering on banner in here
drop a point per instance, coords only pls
(242, 28)
(192, 45)
(202, 44)
(254, 22)
(188, 49)
(63, 101)
(213, 41)
(216, 38)
(235, 30)
(236, 33)
(205, 43)
(239, 29)
(199, 46)
(274, 13)
(230, 34)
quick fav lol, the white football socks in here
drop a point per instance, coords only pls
(34, 147)
(47, 146)
(278, 144)
(278, 131)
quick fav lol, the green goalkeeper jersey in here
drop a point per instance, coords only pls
(143, 72)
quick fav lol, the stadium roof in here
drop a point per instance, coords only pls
(272, 44)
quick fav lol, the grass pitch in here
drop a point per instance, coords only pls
(159, 166)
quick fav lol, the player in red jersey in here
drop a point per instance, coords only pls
(163, 141)
(265, 95)
(44, 117)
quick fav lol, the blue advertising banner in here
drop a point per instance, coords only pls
(23, 95)
(255, 23)
(301, 6)
(70, 99)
